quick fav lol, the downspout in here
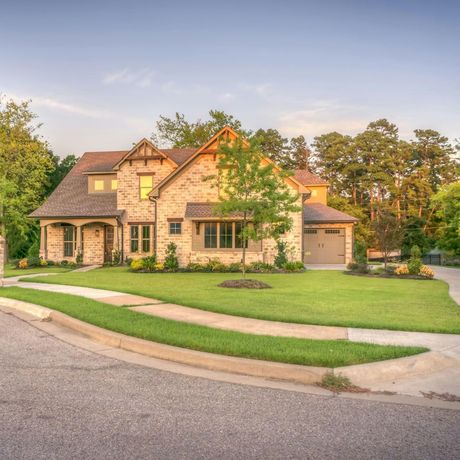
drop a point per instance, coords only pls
(122, 252)
(155, 232)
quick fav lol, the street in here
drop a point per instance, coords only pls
(59, 401)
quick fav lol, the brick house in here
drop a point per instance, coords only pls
(137, 201)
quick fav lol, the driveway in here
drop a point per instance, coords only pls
(452, 277)
(59, 401)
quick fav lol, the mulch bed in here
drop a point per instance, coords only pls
(244, 284)
(388, 275)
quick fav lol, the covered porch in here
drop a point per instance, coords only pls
(87, 241)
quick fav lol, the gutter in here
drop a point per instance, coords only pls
(155, 231)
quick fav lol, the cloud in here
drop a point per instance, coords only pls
(226, 97)
(323, 117)
(142, 78)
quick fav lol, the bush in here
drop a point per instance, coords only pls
(149, 263)
(426, 272)
(358, 268)
(128, 261)
(42, 262)
(137, 265)
(33, 262)
(171, 263)
(281, 256)
(215, 265)
(294, 266)
(79, 257)
(116, 257)
(50, 263)
(23, 264)
(34, 250)
(64, 263)
(235, 267)
(378, 271)
(414, 264)
(260, 267)
(195, 267)
(159, 267)
(360, 253)
(402, 270)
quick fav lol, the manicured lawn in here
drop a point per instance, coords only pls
(11, 270)
(314, 297)
(327, 353)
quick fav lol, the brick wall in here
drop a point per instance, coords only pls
(93, 244)
(190, 187)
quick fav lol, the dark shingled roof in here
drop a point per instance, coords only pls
(316, 213)
(204, 211)
(71, 197)
(179, 155)
(305, 177)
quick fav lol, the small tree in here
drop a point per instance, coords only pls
(171, 263)
(255, 191)
(388, 234)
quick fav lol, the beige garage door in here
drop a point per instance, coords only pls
(324, 245)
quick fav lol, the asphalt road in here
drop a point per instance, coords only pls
(58, 401)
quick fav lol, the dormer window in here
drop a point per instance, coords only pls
(102, 183)
(99, 185)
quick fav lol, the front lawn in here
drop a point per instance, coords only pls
(314, 297)
(11, 270)
(324, 353)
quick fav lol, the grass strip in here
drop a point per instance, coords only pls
(322, 297)
(323, 353)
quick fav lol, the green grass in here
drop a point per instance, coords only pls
(281, 349)
(314, 297)
(11, 270)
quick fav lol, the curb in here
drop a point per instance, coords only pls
(360, 374)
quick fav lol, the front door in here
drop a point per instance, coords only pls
(324, 245)
(108, 243)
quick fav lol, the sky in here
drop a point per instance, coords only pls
(99, 73)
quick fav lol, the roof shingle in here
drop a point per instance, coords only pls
(316, 213)
(306, 177)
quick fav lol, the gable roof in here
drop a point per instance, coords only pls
(316, 213)
(179, 156)
(306, 177)
(71, 197)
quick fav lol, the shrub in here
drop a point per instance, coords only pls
(72, 265)
(260, 267)
(64, 263)
(358, 268)
(128, 261)
(159, 267)
(294, 266)
(149, 263)
(414, 264)
(79, 257)
(360, 253)
(195, 267)
(116, 257)
(402, 270)
(23, 264)
(234, 267)
(171, 263)
(43, 262)
(33, 262)
(215, 265)
(426, 272)
(378, 271)
(137, 265)
(34, 250)
(50, 263)
(281, 257)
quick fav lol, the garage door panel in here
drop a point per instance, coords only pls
(324, 245)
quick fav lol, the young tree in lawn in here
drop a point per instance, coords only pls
(388, 234)
(256, 191)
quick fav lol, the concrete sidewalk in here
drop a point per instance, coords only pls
(154, 307)
(452, 277)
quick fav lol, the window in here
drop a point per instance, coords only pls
(310, 231)
(134, 234)
(329, 231)
(226, 235)
(175, 228)
(99, 185)
(238, 239)
(145, 186)
(69, 240)
(146, 238)
(210, 235)
(114, 184)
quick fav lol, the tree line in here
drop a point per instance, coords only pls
(371, 174)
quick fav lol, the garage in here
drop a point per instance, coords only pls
(324, 245)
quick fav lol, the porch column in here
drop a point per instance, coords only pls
(78, 229)
(43, 241)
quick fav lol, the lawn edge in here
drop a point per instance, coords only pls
(387, 369)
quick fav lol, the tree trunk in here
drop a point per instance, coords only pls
(244, 245)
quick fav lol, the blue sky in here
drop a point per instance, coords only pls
(100, 73)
